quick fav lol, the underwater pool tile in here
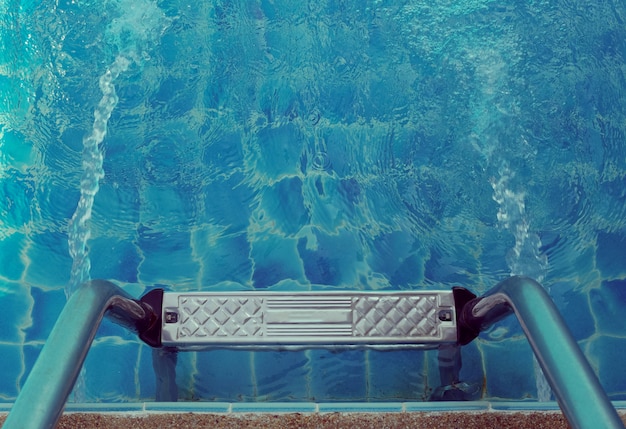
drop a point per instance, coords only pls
(389, 250)
(331, 259)
(337, 375)
(510, 360)
(472, 371)
(445, 406)
(289, 285)
(283, 207)
(104, 407)
(609, 255)
(11, 249)
(186, 370)
(12, 364)
(396, 374)
(17, 304)
(31, 353)
(167, 206)
(17, 189)
(189, 407)
(361, 407)
(146, 378)
(326, 206)
(111, 368)
(226, 375)
(225, 154)
(273, 140)
(116, 211)
(492, 260)
(281, 375)
(222, 259)
(52, 248)
(59, 202)
(166, 249)
(524, 405)
(174, 97)
(71, 140)
(450, 269)
(608, 303)
(575, 309)
(229, 202)
(47, 307)
(407, 273)
(274, 407)
(114, 258)
(275, 258)
(16, 149)
(604, 352)
(585, 266)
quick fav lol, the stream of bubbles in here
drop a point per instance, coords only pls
(133, 31)
(526, 257)
(79, 231)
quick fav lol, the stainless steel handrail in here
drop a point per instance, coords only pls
(576, 387)
(42, 399)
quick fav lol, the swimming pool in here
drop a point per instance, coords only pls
(312, 145)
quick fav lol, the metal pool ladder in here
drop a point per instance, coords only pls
(172, 322)
(286, 320)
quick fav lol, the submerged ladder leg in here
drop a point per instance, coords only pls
(452, 388)
(449, 364)
(164, 364)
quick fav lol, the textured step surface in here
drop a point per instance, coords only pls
(401, 319)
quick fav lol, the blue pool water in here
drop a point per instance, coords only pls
(296, 145)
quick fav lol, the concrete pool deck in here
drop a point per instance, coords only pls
(414, 420)
(469, 415)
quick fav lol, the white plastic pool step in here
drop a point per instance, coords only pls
(294, 320)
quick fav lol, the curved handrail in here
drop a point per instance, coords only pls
(576, 387)
(42, 399)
